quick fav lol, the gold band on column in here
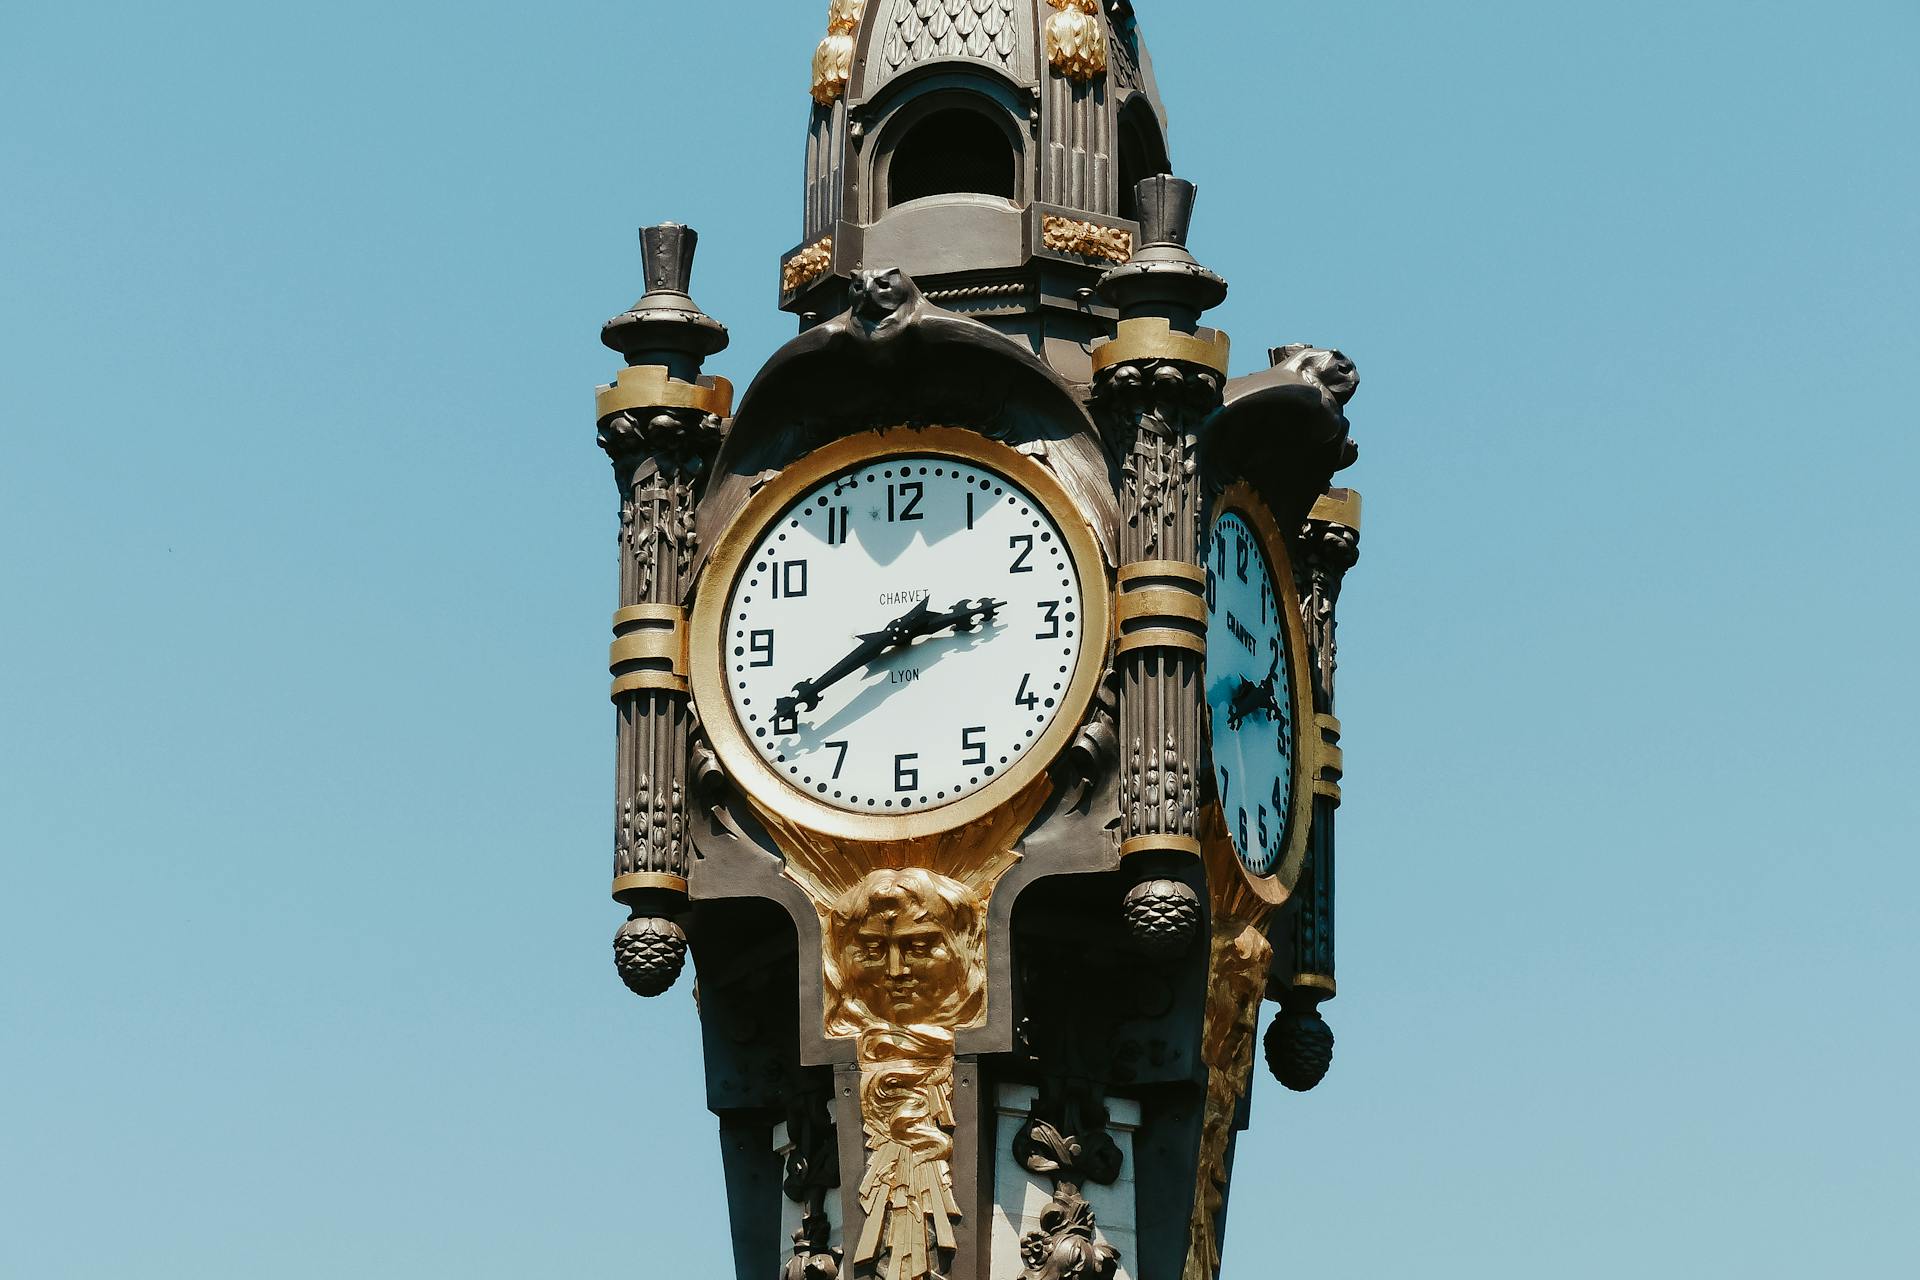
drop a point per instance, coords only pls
(1152, 338)
(649, 649)
(1337, 506)
(648, 386)
(1160, 606)
(1331, 762)
(1159, 843)
(648, 880)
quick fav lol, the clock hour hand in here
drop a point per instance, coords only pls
(916, 623)
(1249, 697)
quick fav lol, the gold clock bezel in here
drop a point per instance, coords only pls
(763, 786)
(1243, 500)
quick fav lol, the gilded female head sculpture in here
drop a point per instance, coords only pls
(905, 948)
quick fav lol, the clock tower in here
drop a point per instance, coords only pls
(973, 674)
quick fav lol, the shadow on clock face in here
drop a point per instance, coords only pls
(922, 656)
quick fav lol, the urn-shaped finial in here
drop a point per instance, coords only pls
(1162, 278)
(666, 257)
(666, 327)
(1166, 210)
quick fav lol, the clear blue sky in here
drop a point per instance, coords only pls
(305, 758)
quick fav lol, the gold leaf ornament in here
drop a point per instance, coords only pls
(833, 60)
(1076, 41)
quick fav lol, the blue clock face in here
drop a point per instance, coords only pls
(1250, 694)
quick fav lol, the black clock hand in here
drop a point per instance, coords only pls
(916, 623)
(1249, 697)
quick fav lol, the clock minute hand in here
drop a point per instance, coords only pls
(916, 623)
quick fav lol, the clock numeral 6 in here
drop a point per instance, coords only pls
(1024, 541)
(973, 741)
(1262, 810)
(905, 778)
(760, 645)
(1051, 608)
(1243, 827)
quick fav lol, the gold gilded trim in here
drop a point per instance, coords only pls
(1076, 41)
(1337, 506)
(1172, 604)
(648, 880)
(655, 634)
(770, 792)
(806, 265)
(1136, 571)
(647, 386)
(1314, 982)
(1333, 761)
(833, 59)
(648, 613)
(1152, 338)
(644, 681)
(1237, 959)
(642, 646)
(1087, 239)
(1159, 843)
(1161, 638)
(1243, 500)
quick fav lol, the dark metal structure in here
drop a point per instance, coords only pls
(1010, 1035)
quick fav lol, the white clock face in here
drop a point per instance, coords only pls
(1249, 694)
(903, 633)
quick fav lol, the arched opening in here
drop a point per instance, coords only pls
(1142, 152)
(955, 149)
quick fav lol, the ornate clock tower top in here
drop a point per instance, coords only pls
(973, 676)
(988, 148)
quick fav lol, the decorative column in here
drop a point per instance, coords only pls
(1299, 1043)
(1154, 382)
(661, 424)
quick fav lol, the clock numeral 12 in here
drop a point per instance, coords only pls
(903, 500)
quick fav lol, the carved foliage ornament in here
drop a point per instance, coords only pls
(1088, 239)
(1064, 1248)
(808, 265)
(833, 60)
(1077, 40)
(1153, 412)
